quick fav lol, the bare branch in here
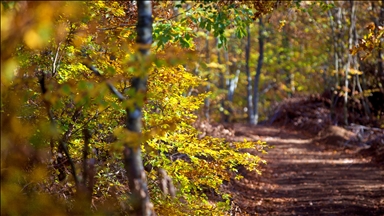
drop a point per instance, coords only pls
(54, 67)
(115, 92)
(87, 137)
(73, 169)
(62, 142)
(110, 85)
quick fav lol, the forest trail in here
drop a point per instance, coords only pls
(304, 177)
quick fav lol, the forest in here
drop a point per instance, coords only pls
(192, 107)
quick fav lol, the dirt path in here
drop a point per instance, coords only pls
(307, 178)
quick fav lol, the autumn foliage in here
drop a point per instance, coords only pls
(64, 74)
(73, 76)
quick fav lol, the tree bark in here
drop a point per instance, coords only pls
(133, 163)
(222, 86)
(350, 45)
(235, 67)
(256, 93)
(232, 82)
(251, 117)
(208, 87)
(287, 52)
(380, 22)
(336, 61)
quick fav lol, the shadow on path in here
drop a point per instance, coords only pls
(307, 178)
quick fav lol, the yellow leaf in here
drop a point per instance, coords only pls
(8, 70)
(355, 72)
(33, 40)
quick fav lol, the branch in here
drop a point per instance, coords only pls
(173, 17)
(87, 173)
(166, 185)
(134, 25)
(71, 126)
(54, 124)
(89, 120)
(270, 85)
(41, 78)
(115, 92)
(119, 26)
(54, 67)
(110, 86)
(65, 149)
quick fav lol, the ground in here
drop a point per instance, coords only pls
(307, 176)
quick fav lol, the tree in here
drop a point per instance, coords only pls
(251, 117)
(132, 151)
(258, 71)
(349, 61)
(74, 93)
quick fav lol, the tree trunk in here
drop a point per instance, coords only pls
(380, 22)
(251, 117)
(350, 45)
(256, 92)
(364, 99)
(380, 54)
(235, 67)
(133, 163)
(224, 116)
(232, 82)
(208, 87)
(336, 62)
